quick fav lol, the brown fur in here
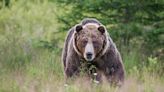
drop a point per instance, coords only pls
(108, 64)
(90, 32)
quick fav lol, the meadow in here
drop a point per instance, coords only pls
(31, 42)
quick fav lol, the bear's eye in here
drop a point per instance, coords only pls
(84, 42)
(95, 44)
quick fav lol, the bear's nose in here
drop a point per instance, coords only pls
(89, 55)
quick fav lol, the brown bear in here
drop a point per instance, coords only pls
(89, 44)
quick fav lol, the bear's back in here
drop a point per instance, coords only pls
(65, 48)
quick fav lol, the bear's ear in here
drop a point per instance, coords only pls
(101, 29)
(78, 28)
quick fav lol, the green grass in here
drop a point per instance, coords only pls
(30, 55)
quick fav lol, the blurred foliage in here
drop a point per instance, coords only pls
(32, 34)
(4, 3)
(136, 26)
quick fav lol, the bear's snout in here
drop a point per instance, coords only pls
(89, 55)
(89, 52)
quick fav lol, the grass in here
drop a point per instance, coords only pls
(30, 55)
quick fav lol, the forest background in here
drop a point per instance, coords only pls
(32, 34)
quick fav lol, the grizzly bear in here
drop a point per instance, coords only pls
(89, 44)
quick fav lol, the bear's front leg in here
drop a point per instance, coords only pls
(72, 66)
(71, 71)
(115, 75)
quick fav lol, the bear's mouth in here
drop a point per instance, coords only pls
(89, 56)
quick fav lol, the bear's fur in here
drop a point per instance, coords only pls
(106, 58)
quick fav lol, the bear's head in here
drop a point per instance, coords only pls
(90, 40)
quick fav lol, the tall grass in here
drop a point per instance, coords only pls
(30, 52)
